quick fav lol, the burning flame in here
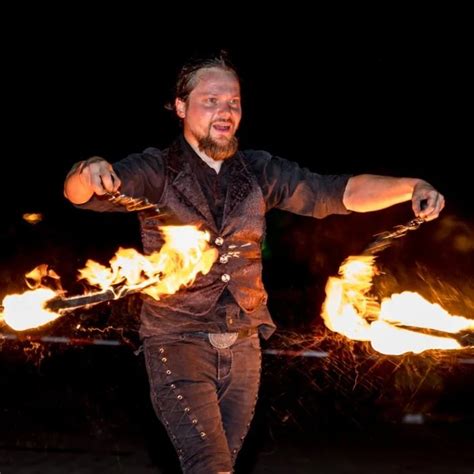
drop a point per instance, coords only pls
(350, 311)
(27, 311)
(185, 253)
(32, 217)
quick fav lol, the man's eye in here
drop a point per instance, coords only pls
(234, 102)
(211, 100)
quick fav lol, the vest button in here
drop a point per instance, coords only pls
(224, 258)
(219, 241)
(225, 277)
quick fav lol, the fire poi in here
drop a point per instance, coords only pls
(400, 323)
(404, 322)
(185, 253)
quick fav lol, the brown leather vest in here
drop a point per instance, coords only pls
(238, 239)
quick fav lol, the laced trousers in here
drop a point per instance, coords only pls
(204, 396)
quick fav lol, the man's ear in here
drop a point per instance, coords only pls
(180, 106)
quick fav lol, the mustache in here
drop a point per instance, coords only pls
(227, 121)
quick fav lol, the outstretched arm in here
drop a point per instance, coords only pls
(86, 178)
(367, 192)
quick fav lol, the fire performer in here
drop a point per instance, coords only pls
(202, 344)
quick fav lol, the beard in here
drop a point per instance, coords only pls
(218, 151)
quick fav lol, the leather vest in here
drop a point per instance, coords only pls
(238, 240)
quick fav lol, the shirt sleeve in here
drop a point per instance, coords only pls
(141, 174)
(287, 186)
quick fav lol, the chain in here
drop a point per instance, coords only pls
(131, 203)
(385, 239)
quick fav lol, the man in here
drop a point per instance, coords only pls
(201, 344)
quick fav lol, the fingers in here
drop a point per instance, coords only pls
(99, 176)
(427, 203)
(435, 209)
(109, 180)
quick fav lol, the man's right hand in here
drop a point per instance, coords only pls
(89, 177)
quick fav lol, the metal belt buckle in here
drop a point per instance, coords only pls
(222, 340)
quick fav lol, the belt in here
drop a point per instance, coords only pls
(224, 340)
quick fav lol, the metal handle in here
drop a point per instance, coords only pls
(130, 203)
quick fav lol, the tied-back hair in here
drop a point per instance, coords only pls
(187, 76)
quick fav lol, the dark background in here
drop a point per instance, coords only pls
(386, 95)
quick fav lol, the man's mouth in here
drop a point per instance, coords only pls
(221, 127)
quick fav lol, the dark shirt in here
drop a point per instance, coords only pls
(213, 184)
(284, 185)
(214, 187)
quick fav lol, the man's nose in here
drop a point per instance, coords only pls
(224, 109)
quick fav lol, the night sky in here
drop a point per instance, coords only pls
(389, 99)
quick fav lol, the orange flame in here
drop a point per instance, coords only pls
(27, 310)
(185, 253)
(32, 217)
(349, 311)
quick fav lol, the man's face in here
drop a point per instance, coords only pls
(212, 113)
